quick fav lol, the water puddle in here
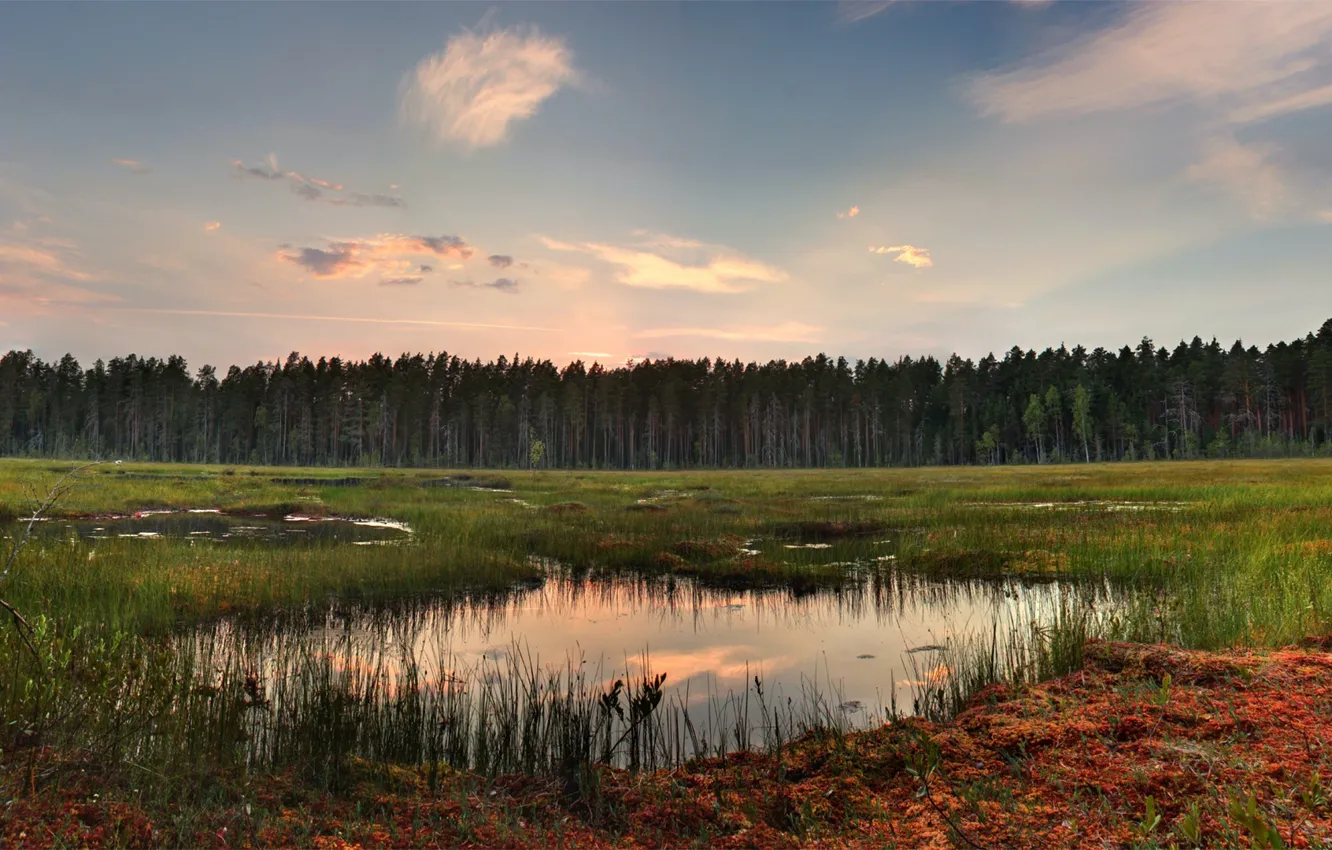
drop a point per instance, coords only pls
(1090, 504)
(212, 525)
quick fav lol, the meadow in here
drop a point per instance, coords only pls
(187, 673)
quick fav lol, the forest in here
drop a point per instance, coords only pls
(1059, 405)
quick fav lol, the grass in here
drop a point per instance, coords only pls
(175, 659)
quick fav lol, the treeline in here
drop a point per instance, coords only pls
(1197, 400)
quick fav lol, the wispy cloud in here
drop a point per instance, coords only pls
(1255, 59)
(1246, 171)
(390, 255)
(210, 226)
(313, 188)
(41, 271)
(602, 354)
(134, 166)
(478, 85)
(784, 332)
(664, 262)
(1312, 98)
(233, 314)
(909, 254)
(499, 284)
(850, 11)
(401, 281)
(500, 261)
(851, 213)
(1220, 66)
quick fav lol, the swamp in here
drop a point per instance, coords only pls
(233, 656)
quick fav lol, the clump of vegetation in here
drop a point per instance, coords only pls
(725, 546)
(568, 508)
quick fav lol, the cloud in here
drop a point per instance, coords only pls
(1221, 66)
(134, 166)
(1250, 59)
(40, 272)
(851, 11)
(339, 260)
(357, 199)
(909, 254)
(500, 284)
(602, 354)
(851, 213)
(313, 188)
(472, 90)
(401, 281)
(500, 261)
(666, 262)
(210, 226)
(387, 254)
(309, 318)
(1313, 98)
(1247, 171)
(785, 332)
(425, 269)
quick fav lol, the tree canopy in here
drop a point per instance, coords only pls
(1197, 400)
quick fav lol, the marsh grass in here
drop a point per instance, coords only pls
(1204, 555)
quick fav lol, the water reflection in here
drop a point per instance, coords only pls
(861, 648)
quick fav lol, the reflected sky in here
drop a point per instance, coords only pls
(856, 646)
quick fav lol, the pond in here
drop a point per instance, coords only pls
(738, 665)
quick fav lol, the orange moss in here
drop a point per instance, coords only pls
(1070, 763)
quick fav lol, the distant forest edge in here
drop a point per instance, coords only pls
(1199, 400)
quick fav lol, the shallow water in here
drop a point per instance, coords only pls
(859, 652)
(212, 526)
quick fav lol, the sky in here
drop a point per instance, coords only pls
(232, 182)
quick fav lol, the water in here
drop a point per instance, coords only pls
(733, 661)
(212, 526)
(854, 644)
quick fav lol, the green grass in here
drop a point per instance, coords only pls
(1203, 554)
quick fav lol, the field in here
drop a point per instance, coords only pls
(212, 692)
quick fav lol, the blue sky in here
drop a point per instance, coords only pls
(235, 181)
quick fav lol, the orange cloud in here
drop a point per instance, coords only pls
(909, 254)
(37, 273)
(660, 261)
(785, 332)
(851, 213)
(391, 255)
(134, 166)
